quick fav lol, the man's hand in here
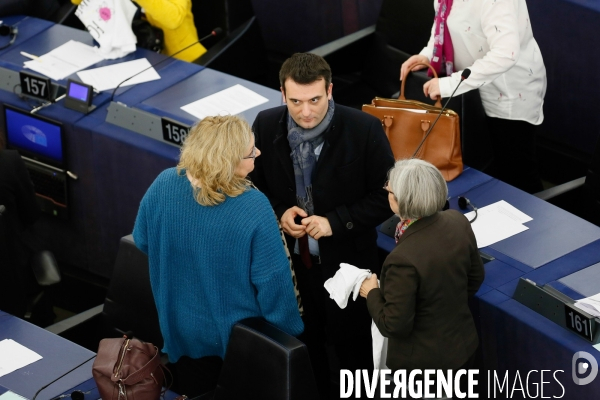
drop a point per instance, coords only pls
(431, 88)
(289, 225)
(367, 285)
(317, 227)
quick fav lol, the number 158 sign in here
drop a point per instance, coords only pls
(174, 132)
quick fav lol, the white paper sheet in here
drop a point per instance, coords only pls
(11, 396)
(591, 305)
(492, 227)
(14, 356)
(109, 77)
(230, 101)
(65, 60)
(507, 209)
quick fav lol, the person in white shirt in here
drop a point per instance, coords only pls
(494, 39)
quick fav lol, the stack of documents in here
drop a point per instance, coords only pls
(497, 222)
(65, 60)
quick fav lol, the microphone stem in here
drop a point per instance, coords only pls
(161, 61)
(436, 120)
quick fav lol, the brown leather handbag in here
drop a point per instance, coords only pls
(406, 123)
(128, 369)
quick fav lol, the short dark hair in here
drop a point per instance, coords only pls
(304, 69)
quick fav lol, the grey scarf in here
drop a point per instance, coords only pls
(303, 143)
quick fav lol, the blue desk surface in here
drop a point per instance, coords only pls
(52, 37)
(552, 234)
(563, 266)
(169, 102)
(59, 356)
(28, 28)
(585, 282)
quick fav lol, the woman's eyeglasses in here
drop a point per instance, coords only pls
(386, 187)
(252, 154)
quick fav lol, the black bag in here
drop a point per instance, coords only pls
(148, 36)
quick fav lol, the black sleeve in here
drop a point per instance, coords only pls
(373, 208)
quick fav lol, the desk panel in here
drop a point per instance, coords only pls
(59, 356)
(518, 339)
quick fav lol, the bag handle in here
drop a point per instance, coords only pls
(438, 102)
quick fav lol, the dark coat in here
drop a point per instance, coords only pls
(347, 181)
(422, 304)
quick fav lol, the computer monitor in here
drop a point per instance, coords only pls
(34, 136)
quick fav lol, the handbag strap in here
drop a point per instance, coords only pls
(143, 372)
(438, 102)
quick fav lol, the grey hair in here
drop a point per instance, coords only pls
(419, 188)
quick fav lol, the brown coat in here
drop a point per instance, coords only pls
(422, 304)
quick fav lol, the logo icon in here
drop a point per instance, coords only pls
(581, 368)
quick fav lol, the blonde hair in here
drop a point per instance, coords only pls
(211, 152)
(419, 188)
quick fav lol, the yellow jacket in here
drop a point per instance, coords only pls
(176, 20)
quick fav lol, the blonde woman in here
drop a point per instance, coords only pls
(214, 250)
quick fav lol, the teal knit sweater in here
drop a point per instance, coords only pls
(211, 266)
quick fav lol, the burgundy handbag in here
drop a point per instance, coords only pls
(128, 369)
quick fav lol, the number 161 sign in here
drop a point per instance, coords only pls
(579, 323)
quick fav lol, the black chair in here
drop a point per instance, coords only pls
(263, 362)
(580, 196)
(44, 275)
(241, 53)
(367, 63)
(128, 308)
(226, 14)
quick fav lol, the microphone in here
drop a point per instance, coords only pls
(63, 375)
(464, 203)
(215, 32)
(465, 74)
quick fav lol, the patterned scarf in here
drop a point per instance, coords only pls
(303, 143)
(401, 227)
(443, 52)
